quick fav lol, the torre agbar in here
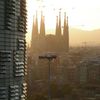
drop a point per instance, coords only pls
(12, 49)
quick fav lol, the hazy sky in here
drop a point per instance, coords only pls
(84, 14)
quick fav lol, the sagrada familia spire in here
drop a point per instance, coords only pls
(66, 32)
(35, 34)
(56, 43)
(42, 25)
(59, 26)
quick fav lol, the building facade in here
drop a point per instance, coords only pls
(12, 49)
(89, 71)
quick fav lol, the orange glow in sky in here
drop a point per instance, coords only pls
(84, 14)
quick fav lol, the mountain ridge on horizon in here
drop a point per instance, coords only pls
(74, 29)
(78, 36)
(85, 30)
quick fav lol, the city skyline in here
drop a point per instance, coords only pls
(82, 14)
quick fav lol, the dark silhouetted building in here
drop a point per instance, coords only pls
(12, 49)
(42, 42)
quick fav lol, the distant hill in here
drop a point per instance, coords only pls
(79, 37)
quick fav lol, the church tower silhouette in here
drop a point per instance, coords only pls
(66, 33)
(42, 42)
(35, 34)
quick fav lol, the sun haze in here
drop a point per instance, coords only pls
(83, 14)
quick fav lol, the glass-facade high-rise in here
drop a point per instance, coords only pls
(12, 49)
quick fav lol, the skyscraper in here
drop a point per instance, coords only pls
(12, 49)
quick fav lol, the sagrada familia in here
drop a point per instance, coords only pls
(42, 42)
